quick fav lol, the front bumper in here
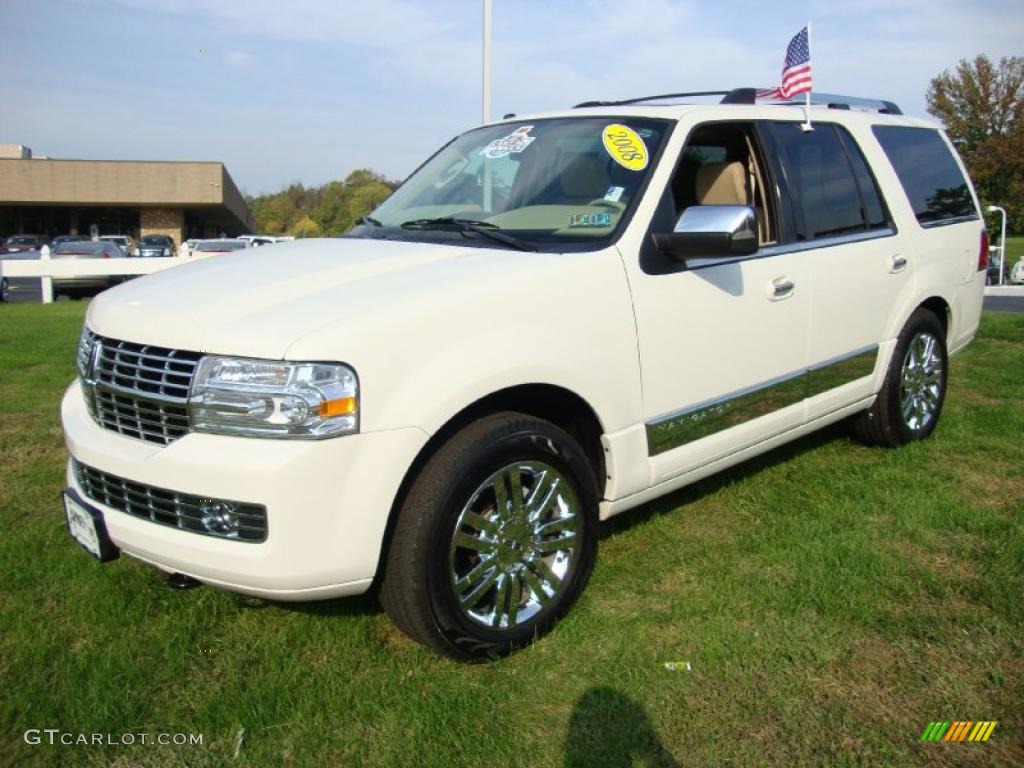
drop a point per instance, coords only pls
(327, 503)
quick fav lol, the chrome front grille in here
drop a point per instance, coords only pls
(142, 419)
(212, 517)
(137, 390)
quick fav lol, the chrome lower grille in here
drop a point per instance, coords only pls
(212, 517)
(137, 390)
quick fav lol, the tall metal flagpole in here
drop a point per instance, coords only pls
(488, 185)
(487, 62)
(807, 94)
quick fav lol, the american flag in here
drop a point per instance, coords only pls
(796, 71)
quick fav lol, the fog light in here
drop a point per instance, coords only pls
(219, 517)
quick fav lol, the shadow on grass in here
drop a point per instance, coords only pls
(723, 479)
(365, 604)
(609, 729)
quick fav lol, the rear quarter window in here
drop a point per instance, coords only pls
(935, 185)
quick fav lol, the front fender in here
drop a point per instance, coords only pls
(560, 319)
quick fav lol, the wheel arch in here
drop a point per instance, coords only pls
(562, 407)
(941, 309)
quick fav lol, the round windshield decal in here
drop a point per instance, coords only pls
(625, 146)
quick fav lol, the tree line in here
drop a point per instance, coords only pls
(330, 209)
(981, 105)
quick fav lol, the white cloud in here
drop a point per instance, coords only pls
(237, 58)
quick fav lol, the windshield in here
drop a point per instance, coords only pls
(21, 240)
(548, 183)
(160, 240)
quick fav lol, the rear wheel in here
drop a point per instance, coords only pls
(4, 290)
(910, 401)
(495, 540)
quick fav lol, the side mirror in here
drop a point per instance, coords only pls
(709, 234)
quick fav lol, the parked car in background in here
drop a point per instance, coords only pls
(1017, 273)
(154, 246)
(77, 287)
(11, 286)
(213, 247)
(258, 240)
(19, 243)
(68, 239)
(126, 242)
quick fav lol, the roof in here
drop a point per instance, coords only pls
(741, 104)
(144, 183)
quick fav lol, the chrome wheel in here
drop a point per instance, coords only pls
(921, 381)
(513, 545)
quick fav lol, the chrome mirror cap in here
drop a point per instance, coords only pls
(711, 231)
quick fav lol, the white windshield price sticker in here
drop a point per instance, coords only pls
(614, 194)
(514, 143)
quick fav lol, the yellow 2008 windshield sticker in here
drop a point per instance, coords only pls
(625, 146)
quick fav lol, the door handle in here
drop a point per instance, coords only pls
(897, 263)
(781, 288)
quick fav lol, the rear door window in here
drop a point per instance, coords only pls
(934, 183)
(828, 199)
(871, 196)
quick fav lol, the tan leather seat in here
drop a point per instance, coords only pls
(722, 184)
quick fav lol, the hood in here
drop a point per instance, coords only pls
(257, 301)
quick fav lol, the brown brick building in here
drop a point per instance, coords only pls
(180, 199)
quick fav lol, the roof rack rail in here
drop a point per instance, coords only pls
(749, 96)
(835, 101)
(734, 96)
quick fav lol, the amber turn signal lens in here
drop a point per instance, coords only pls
(340, 407)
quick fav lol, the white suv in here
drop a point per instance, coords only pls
(554, 320)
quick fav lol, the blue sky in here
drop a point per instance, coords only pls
(307, 91)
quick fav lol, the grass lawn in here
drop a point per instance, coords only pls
(825, 602)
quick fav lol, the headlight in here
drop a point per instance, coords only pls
(83, 358)
(264, 398)
(135, 251)
(167, 251)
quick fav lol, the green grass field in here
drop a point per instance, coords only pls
(825, 603)
(1014, 251)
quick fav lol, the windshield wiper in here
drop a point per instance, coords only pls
(484, 228)
(369, 220)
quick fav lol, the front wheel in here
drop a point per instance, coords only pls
(910, 401)
(4, 290)
(495, 540)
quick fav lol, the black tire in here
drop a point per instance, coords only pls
(418, 589)
(5, 295)
(885, 423)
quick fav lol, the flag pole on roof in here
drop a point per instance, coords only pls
(807, 93)
(796, 74)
